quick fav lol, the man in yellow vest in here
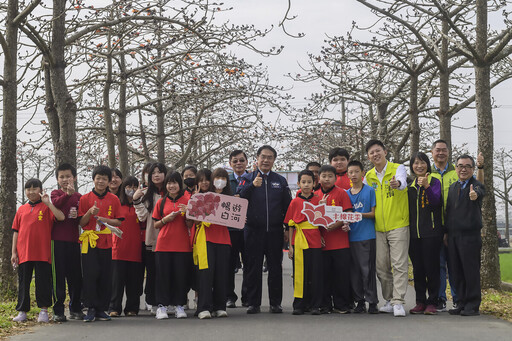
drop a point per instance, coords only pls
(389, 180)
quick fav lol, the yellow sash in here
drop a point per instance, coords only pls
(301, 244)
(200, 253)
(90, 237)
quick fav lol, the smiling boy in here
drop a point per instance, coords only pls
(95, 208)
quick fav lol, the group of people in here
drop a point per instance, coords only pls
(433, 216)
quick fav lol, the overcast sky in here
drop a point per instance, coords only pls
(327, 17)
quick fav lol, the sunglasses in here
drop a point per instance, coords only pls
(238, 161)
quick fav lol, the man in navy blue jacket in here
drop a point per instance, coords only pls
(269, 197)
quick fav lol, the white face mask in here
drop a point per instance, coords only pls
(219, 183)
(129, 192)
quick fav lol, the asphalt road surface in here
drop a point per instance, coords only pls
(265, 326)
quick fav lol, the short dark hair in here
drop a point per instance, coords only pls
(266, 146)
(313, 164)
(34, 183)
(129, 181)
(466, 156)
(174, 176)
(118, 172)
(338, 152)
(306, 172)
(420, 156)
(327, 168)
(189, 167)
(374, 142)
(221, 173)
(102, 170)
(64, 167)
(356, 163)
(439, 141)
(235, 153)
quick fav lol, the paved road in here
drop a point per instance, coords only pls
(266, 326)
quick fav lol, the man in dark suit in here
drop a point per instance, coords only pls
(238, 162)
(463, 223)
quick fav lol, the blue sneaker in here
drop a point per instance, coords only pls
(91, 315)
(102, 316)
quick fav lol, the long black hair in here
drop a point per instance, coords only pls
(152, 189)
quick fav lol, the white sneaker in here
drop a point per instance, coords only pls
(154, 310)
(161, 313)
(22, 317)
(220, 313)
(386, 308)
(204, 315)
(180, 312)
(43, 316)
(171, 309)
(148, 307)
(398, 310)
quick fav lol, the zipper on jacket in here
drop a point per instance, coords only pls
(418, 190)
(266, 198)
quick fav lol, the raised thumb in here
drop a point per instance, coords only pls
(258, 175)
(471, 188)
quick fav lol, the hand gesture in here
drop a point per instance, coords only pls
(345, 227)
(472, 194)
(423, 181)
(70, 188)
(394, 183)
(290, 252)
(139, 192)
(94, 210)
(258, 181)
(324, 199)
(45, 198)
(480, 160)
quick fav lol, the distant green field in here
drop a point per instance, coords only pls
(506, 267)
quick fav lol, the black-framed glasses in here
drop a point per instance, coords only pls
(466, 167)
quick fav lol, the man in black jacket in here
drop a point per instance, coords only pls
(463, 223)
(269, 197)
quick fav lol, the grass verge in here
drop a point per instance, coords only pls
(506, 267)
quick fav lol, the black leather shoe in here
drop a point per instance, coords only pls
(253, 309)
(276, 309)
(298, 312)
(316, 311)
(455, 311)
(467, 312)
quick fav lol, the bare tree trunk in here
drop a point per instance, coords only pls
(65, 106)
(445, 118)
(382, 130)
(107, 112)
(8, 149)
(414, 119)
(490, 273)
(507, 235)
(121, 137)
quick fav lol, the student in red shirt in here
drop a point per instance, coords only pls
(115, 184)
(305, 249)
(126, 255)
(173, 251)
(66, 260)
(336, 252)
(338, 158)
(212, 246)
(95, 209)
(31, 245)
